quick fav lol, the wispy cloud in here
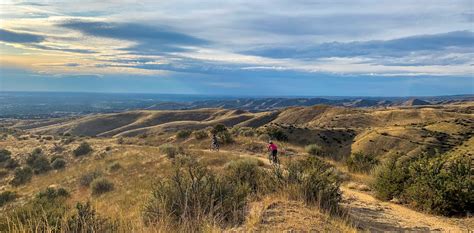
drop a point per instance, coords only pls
(19, 37)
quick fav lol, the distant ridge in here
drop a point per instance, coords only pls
(415, 102)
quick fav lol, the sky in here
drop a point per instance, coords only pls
(265, 47)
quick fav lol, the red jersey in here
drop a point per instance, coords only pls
(272, 147)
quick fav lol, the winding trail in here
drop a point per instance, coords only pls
(370, 214)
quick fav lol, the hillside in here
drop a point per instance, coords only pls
(127, 151)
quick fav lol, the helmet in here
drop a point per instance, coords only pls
(270, 142)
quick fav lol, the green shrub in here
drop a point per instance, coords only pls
(115, 166)
(52, 193)
(58, 163)
(5, 155)
(316, 182)
(219, 128)
(438, 184)
(314, 149)
(247, 132)
(264, 137)
(171, 151)
(6, 196)
(21, 176)
(225, 137)
(87, 178)
(44, 213)
(360, 162)
(101, 185)
(85, 219)
(193, 195)
(182, 134)
(38, 162)
(11, 164)
(83, 149)
(200, 134)
(249, 173)
(276, 133)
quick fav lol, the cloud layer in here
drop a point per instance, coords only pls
(229, 42)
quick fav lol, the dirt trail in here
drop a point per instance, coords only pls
(372, 214)
(369, 213)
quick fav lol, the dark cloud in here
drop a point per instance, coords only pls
(19, 37)
(457, 41)
(151, 40)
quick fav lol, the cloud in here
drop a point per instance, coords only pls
(67, 50)
(459, 41)
(19, 37)
(150, 40)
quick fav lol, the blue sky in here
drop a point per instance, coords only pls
(293, 47)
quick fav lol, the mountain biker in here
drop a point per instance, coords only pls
(273, 150)
(214, 142)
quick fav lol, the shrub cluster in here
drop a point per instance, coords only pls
(21, 176)
(171, 151)
(316, 182)
(361, 162)
(38, 162)
(83, 149)
(11, 164)
(276, 133)
(314, 149)
(200, 134)
(87, 178)
(101, 185)
(6, 196)
(193, 195)
(182, 134)
(5, 155)
(58, 163)
(440, 184)
(222, 133)
(49, 212)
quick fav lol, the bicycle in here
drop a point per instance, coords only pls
(214, 147)
(274, 160)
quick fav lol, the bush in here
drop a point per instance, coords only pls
(114, 166)
(38, 162)
(247, 132)
(193, 195)
(314, 149)
(49, 212)
(21, 176)
(58, 163)
(171, 151)
(316, 182)
(45, 211)
(219, 128)
(83, 149)
(200, 134)
(360, 162)
(101, 185)
(86, 220)
(87, 178)
(249, 173)
(5, 155)
(276, 133)
(11, 164)
(6, 196)
(264, 137)
(439, 184)
(182, 134)
(225, 137)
